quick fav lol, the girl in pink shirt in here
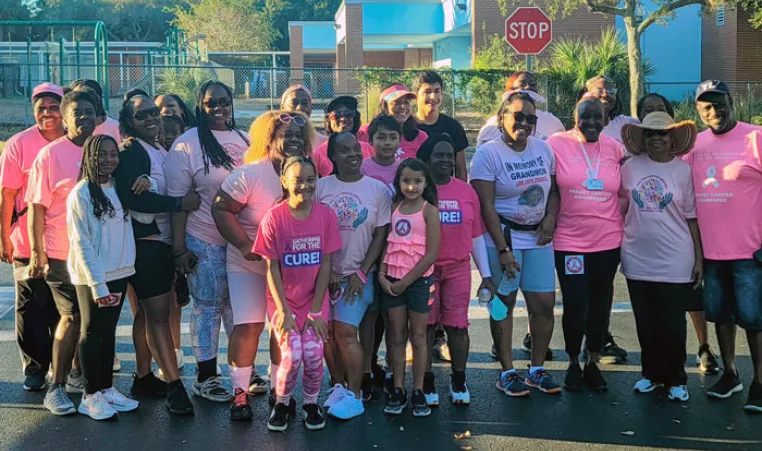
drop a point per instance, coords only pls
(405, 278)
(297, 239)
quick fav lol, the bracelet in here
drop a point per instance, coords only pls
(362, 276)
(505, 251)
(312, 316)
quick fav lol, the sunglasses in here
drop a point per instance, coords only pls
(610, 91)
(648, 133)
(530, 119)
(224, 103)
(143, 114)
(335, 115)
(287, 118)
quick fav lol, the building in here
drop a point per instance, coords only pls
(731, 49)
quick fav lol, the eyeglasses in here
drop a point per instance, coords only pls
(143, 114)
(223, 103)
(530, 119)
(287, 118)
(335, 115)
(600, 91)
(648, 133)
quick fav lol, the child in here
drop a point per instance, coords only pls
(296, 238)
(405, 278)
(171, 128)
(385, 134)
(101, 258)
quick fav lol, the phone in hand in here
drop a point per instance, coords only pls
(114, 299)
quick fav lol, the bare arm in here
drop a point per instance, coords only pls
(184, 259)
(375, 249)
(486, 192)
(460, 166)
(548, 224)
(36, 225)
(7, 201)
(224, 211)
(433, 231)
(275, 282)
(698, 249)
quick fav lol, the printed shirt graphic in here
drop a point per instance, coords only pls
(657, 244)
(522, 183)
(727, 177)
(299, 246)
(588, 221)
(461, 221)
(361, 207)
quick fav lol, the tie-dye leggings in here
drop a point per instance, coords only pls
(300, 349)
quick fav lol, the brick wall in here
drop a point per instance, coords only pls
(393, 59)
(297, 54)
(418, 57)
(749, 50)
(719, 47)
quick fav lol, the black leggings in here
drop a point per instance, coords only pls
(98, 336)
(587, 296)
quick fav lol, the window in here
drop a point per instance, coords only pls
(720, 16)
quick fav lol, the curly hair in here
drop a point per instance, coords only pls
(89, 171)
(265, 129)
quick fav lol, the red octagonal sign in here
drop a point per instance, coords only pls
(528, 30)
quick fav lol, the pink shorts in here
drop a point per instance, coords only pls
(452, 295)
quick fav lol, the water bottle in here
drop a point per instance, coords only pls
(485, 295)
(506, 285)
(497, 310)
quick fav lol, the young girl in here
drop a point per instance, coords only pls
(297, 239)
(405, 278)
(101, 258)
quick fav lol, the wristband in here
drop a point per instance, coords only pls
(505, 251)
(363, 277)
(312, 316)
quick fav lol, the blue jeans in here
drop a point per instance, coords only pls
(733, 292)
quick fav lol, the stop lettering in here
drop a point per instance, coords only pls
(528, 30)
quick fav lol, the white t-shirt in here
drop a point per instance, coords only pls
(614, 128)
(547, 124)
(522, 184)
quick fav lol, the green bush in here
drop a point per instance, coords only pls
(184, 82)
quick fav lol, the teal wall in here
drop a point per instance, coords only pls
(402, 18)
(457, 48)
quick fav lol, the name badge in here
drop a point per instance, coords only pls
(594, 184)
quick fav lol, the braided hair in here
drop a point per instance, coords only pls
(211, 149)
(89, 171)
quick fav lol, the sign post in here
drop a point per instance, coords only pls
(529, 31)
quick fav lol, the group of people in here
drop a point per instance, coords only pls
(366, 234)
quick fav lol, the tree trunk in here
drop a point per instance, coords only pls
(635, 58)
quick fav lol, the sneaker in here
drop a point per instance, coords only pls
(430, 390)
(573, 379)
(212, 390)
(706, 361)
(645, 386)
(459, 395)
(542, 380)
(389, 383)
(754, 402)
(178, 402)
(379, 375)
(368, 388)
(678, 393)
(420, 405)
(75, 383)
(148, 386)
(442, 350)
(611, 353)
(118, 401)
(409, 352)
(239, 406)
(493, 352)
(348, 407)
(96, 407)
(116, 366)
(278, 420)
(58, 402)
(180, 357)
(35, 382)
(511, 384)
(257, 385)
(728, 384)
(396, 403)
(337, 393)
(271, 400)
(593, 378)
(49, 376)
(526, 345)
(313, 417)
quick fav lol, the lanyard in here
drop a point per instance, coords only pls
(591, 173)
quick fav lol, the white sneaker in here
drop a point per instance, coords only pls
(337, 394)
(96, 407)
(644, 386)
(678, 393)
(180, 358)
(432, 399)
(75, 382)
(348, 407)
(460, 398)
(116, 366)
(58, 402)
(212, 390)
(118, 401)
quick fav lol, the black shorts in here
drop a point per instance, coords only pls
(64, 293)
(154, 269)
(418, 297)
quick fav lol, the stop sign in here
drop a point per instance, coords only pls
(528, 30)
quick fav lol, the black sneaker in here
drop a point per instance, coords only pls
(148, 386)
(611, 352)
(420, 406)
(754, 402)
(35, 382)
(573, 379)
(257, 385)
(239, 406)
(291, 405)
(706, 361)
(430, 389)
(493, 352)
(368, 388)
(178, 402)
(526, 346)
(379, 375)
(397, 402)
(313, 417)
(593, 378)
(279, 416)
(728, 384)
(389, 384)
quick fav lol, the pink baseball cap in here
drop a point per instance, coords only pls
(395, 92)
(47, 88)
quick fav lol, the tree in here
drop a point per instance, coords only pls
(280, 12)
(636, 20)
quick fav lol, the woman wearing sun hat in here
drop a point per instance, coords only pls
(662, 257)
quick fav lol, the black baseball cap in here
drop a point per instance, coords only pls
(348, 101)
(711, 86)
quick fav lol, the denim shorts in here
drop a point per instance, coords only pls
(537, 274)
(353, 314)
(418, 297)
(733, 293)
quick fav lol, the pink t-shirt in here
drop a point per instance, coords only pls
(318, 140)
(461, 221)
(657, 244)
(257, 186)
(15, 163)
(384, 174)
(184, 165)
(299, 246)
(727, 178)
(408, 149)
(53, 175)
(361, 207)
(109, 127)
(324, 165)
(588, 221)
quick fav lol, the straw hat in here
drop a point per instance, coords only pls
(683, 133)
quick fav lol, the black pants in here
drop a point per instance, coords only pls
(587, 287)
(97, 336)
(659, 310)
(36, 322)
